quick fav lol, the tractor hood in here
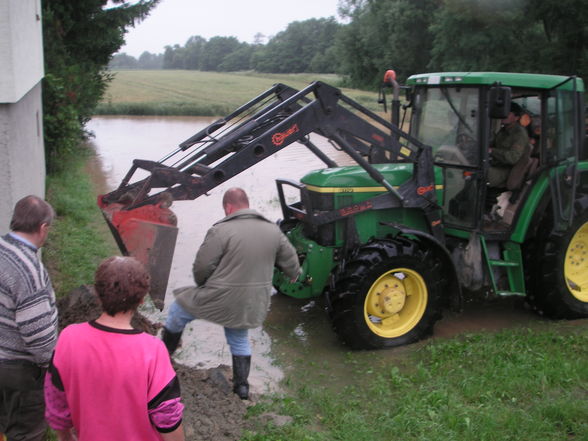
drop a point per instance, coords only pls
(355, 177)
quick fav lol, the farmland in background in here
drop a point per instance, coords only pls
(184, 92)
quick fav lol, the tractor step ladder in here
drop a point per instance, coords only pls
(510, 264)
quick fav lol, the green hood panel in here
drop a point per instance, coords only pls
(355, 176)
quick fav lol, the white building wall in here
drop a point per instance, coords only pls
(22, 155)
(21, 48)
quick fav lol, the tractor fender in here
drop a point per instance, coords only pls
(540, 201)
(455, 299)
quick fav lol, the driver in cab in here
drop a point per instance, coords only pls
(508, 147)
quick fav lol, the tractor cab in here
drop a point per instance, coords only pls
(460, 114)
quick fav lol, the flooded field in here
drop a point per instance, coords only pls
(295, 329)
(119, 140)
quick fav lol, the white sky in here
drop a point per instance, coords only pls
(174, 21)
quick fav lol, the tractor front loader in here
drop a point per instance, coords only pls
(393, 240)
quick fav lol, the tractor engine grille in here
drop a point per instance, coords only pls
(325, 234)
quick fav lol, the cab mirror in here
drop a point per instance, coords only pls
(499, 101)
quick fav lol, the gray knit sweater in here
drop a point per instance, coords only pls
(28, 316)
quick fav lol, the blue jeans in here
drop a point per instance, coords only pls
(237, 339)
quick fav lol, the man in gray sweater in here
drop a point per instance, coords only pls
(28, 321)
(233, 270)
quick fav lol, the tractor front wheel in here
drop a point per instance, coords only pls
(388, 294)
(559, 283)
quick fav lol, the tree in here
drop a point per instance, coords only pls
(147, 60)
(123, 61)
(237, 60)
(480, 35)
(80, 39)
(216, 50)
(384, 34)
(543, 36)
(293, 50)
(564, 25)
(194, 50)
(259, 38)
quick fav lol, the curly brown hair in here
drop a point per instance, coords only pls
(121, 284)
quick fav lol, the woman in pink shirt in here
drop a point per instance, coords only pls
(107, 380)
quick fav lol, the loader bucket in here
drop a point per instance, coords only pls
(147, 233)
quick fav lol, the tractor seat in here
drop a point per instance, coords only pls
(525, 167)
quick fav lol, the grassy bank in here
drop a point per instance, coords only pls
(79, 238)
(523, 385)
(183, 92)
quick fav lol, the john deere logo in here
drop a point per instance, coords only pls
(279, 138)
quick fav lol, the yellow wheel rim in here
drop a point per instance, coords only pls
(395, 303)
(576, 264)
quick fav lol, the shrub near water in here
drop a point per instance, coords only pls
(78, 239)
(513, 385)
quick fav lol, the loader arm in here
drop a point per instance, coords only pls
(258, 129)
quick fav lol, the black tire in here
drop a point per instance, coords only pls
(558, 279)
(408, 277)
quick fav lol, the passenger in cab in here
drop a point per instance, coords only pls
(509, 145)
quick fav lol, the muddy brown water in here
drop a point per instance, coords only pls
(295, 329)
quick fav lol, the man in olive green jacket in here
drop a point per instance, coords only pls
(233, 270)
(509, 146)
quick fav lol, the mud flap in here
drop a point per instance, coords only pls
(148, 234)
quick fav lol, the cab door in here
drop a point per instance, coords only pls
(562, 139)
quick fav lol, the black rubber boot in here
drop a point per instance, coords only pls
(241, 365)
(171, 340)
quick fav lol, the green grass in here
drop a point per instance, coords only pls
(186, 92)
(78, 239)
(512, 385)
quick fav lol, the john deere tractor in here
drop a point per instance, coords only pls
(396, 239)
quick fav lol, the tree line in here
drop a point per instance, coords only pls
(411, 36)
(305, 46)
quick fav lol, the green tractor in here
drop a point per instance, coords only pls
(396, 239)
(391, 284)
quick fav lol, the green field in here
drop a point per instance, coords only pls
(188, 92)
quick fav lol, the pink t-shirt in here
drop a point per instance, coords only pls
(112, 384)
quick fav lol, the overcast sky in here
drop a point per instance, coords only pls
(174, 21)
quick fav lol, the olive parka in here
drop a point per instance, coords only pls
(510, 145)
(234, 269)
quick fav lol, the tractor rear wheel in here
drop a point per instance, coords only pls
(388, 294)
(559, 278)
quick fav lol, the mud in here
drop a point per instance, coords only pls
(212, 411)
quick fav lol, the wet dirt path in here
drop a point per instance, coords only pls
(295, 329)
